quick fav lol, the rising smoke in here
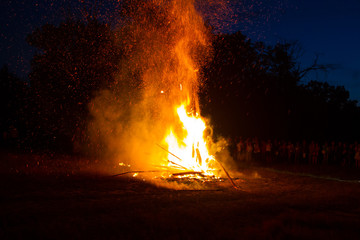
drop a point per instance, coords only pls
(165, 45)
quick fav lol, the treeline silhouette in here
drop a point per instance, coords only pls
(250, 89)
(257, 90)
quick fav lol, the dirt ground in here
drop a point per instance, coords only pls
(272, 202)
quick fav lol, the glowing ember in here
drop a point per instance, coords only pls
(124, 165)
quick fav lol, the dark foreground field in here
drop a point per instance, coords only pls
(272, 203)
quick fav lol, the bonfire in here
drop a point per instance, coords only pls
(168, 44)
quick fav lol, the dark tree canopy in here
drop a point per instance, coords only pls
(255, 90)
(75, 59)
(250, 89)
(14, 107)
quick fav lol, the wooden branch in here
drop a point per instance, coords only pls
(228, 175)
(168, 152)
(198, 156)
(188, 173)
(130, 172)
(178, 165)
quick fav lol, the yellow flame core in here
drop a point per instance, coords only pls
(155, 96)
(191, 152)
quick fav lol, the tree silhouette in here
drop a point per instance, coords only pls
(250, 89)
(251, 85)
(14, 104)
(234, 82)
(75, 59)
(333, 114)
(255, 90)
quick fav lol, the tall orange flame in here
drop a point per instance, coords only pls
(191, 150)
(166, 45)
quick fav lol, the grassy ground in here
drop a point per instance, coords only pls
(58, 197)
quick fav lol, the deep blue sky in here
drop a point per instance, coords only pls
(18, 19)
(328, 28)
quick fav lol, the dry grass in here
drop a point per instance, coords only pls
(63, 197)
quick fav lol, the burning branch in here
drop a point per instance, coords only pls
(131, 172)
(174, 156)
(168, 152)
(201, 174)
(228, 175)
(177, 165)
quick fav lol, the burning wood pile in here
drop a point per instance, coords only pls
(167, 45)
(176, 172)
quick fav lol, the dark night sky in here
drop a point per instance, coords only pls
(18, 19)
(329, 28)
